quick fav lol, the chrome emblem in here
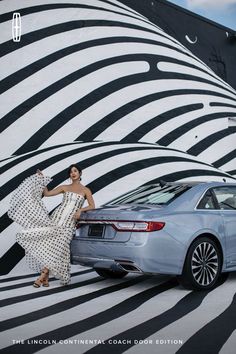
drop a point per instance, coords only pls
(16, 27)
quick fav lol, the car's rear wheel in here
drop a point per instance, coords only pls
(202, 266)
(107, 273)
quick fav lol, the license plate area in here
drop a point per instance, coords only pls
(96, 230)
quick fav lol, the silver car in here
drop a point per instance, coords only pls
(184, 229)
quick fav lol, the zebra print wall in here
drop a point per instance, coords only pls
(96, 82)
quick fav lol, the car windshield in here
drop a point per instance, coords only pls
(152, 194)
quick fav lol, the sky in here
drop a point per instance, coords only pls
(220, 11)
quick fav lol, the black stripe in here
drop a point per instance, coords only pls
(6, 158)
(105, 316)
(76, 108)
(175, 176)
(27, 156)
(186, 305)
(177, 133)
(18, 277)
(34, 100)
(67, 304)
(128, 9)
(28, 38)
(40, 8)
(212, 337)
(219, 104)
(40, 96)
(107, 178)
(210, 140)
(129, 168)
(9, 260)
(5, 221)
(30, 69)
(9, 186)
(226, 158)
(23, 285)
(232, 172)
(144, 128)
(37, 294)
(98, 127)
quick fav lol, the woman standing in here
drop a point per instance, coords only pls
(46, 239)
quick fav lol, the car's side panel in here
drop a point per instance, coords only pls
(229, 218)
(186, 227)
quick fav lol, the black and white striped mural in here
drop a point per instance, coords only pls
(134, 315)
(94, 82)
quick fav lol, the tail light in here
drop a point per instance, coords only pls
(138, 225)
(134, 226)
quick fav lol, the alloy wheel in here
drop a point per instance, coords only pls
(205, 263)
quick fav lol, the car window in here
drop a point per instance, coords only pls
(226, 197)
(153, 195)
(207, 201)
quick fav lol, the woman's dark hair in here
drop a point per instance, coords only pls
(71, 166)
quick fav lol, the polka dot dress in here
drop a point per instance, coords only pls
(46, 239)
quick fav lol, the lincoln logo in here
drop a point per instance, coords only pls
(16, 27)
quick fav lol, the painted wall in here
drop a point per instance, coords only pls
(95, 82)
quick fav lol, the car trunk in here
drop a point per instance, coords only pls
(109, 223)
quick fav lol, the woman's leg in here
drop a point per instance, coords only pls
(45, 272)
(43, 279)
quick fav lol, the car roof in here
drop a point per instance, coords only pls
(192, 183)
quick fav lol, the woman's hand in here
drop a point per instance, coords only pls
(77, 214)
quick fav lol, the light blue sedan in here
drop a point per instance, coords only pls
(184, 229)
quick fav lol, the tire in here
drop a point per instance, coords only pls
(202, 267)
(107, 273)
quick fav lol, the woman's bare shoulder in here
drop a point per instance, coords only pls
(64, 188)
(87, 190)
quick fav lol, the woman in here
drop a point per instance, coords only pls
(46, 239)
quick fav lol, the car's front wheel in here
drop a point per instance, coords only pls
(107, 273)
(202, 266)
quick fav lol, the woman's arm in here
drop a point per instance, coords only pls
(55, 191)
(91, 204)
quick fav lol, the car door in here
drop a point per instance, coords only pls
(226, 198)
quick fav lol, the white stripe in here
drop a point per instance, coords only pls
(11, 5)
(40, 49)
(214, 304)
(222, 146)
(60, 165)
(100, 168)
(36, 303)
(199, 133)
(69, 64)
(229, 346)
(23, 129)
(62, 15)
(230, 165)
(85, 310)
(147, 310)
(115, 100)
(128, 123)
(39, 158)
(181, 69)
